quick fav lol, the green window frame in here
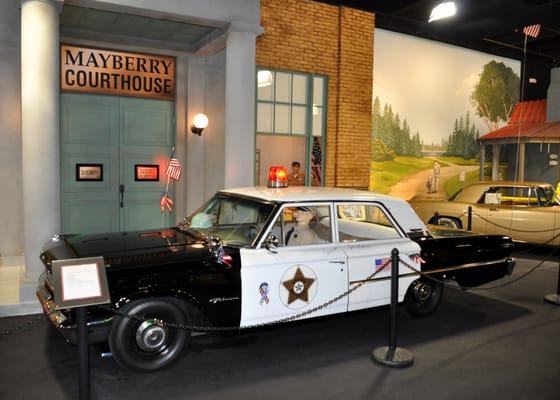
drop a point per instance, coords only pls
(293, 103)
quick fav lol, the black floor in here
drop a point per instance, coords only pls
(495, 344)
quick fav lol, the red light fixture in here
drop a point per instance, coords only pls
(277, 177)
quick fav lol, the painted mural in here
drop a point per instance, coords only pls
(431, 103)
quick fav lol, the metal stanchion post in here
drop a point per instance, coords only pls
(83, 354)
(555, 297)
(393, 356)
(469, 218)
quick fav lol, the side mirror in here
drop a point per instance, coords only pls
(271, 243)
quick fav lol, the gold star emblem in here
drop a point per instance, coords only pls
(298, 287)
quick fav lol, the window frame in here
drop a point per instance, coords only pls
(308, 130)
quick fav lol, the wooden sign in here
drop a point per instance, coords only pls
(118, 73)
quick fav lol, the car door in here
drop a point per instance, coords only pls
(298, 274)
(367, 234)
(519, 214)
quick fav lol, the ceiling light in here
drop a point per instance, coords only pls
(443, 10)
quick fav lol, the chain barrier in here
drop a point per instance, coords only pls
(198, 328)
(21, 327)
(427, 275)
(512, 229)
(457, 286)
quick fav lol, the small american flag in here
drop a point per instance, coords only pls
(383, 263)
(532, 30)
(174, 168)
(165, 202)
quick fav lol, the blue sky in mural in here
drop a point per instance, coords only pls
(428, 83)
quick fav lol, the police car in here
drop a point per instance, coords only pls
(264, 255)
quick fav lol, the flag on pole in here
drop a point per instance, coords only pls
(532, 30)
(174, 168)
(316, 160)
(165, 202)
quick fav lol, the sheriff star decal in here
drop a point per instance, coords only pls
(298, 287)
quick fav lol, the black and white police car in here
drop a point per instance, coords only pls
(260, 255)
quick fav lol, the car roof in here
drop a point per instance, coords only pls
(511, 183)
(307, 194)
(407, 218)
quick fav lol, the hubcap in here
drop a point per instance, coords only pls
(151, 337)
(422, 291)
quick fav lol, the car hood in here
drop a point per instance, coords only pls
(128, 247)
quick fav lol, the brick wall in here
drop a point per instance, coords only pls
(307, 36)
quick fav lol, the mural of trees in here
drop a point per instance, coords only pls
(463, 140)
(390, 137)
(495, 94)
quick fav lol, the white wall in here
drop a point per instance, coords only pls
(11, 210)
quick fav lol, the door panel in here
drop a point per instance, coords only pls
(89, 135)
(324, 263)
(118, 133)
(147, 136)
(364, 258)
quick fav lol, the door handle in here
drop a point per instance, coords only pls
(121, 191)
(337, 262)
(494, 209)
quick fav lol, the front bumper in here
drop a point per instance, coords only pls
(63, 320)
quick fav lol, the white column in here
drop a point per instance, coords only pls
(240, 106)
(39, 129)
(495, 161)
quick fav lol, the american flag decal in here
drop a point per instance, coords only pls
(381, 262)
(174, 168)
(532, 30)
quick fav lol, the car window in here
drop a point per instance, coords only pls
(303, 225)
(358, 222)
(237, 221)
(513, 196)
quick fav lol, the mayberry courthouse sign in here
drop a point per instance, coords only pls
(117, 73)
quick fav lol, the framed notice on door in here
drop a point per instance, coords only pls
(89, 172)
(146, 172)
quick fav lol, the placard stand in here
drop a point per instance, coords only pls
(79, 283)
(393, 356)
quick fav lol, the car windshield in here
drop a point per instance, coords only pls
(237, 221)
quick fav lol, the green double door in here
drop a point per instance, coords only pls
(107, 146)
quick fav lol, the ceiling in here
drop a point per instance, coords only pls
(490, 26)
(82, 25)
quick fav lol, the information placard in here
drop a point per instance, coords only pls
(80, 282)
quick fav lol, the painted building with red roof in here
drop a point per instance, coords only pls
(530, 140)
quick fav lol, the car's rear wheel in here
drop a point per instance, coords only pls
(450, 222)
(142, 342)
(423, 297)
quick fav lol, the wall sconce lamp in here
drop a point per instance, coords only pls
(199, 122)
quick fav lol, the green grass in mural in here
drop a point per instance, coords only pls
(385, 174)
(458, 160)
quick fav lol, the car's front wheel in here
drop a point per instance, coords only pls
(423, 297)
(141, 342)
